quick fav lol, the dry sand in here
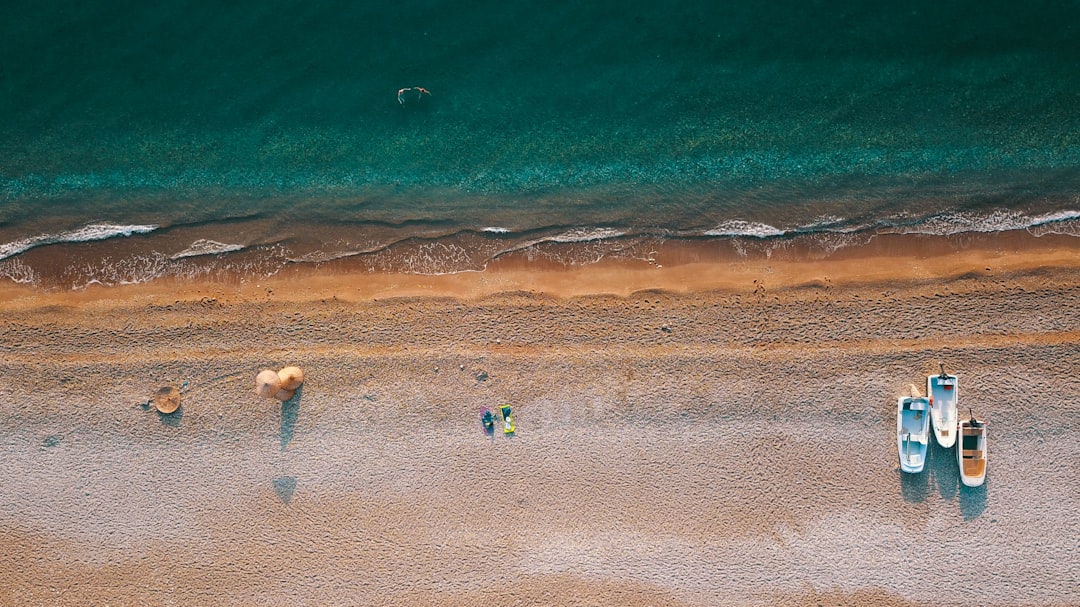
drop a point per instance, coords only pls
(706, 432)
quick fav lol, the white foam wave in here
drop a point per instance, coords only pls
(825, 222)
(830, 224)
(97, 231)
(17, 271)
(738, 227)
(576, 235)
(323, 256)
(496, 230)
(948, 224)
(584, 235)
(204, 246)
(124, 271)
(1060, 222)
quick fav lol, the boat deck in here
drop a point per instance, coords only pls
(912, 424)
(913, 419)
(942, 392)
(974, 463)
(971, 441)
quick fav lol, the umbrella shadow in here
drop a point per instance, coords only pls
(284, 487)
(973, 500)
(914, 487)
(171, 419)
(944, 469)
(290, 412)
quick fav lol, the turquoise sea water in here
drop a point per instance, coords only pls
(165, 132)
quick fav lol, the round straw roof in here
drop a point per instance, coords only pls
(167, 399)
(267, 383)
(291, 378)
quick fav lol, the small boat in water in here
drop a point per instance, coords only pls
(971, 452)
(942, 392)
(912, 432)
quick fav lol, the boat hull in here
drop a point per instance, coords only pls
(942, 391)
(912, 432)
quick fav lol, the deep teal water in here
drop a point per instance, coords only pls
(637, 115)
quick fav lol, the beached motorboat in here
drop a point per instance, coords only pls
(912, 432)
(942, 392)
(971, 452)
(508, 419)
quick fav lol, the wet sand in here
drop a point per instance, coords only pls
(698, 429)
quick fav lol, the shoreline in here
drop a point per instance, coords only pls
(672, 266)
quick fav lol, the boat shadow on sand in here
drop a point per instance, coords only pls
(941, 463)
(973, 500)
(915, 487)
(946, 473)
(943, 471)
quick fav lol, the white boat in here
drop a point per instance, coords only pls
(912, 432)
(942, 392)
(971, 452)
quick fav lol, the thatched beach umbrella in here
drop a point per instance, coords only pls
(167, 399)
(267, 383)
(291, 378)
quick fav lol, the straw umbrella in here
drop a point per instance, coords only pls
(167, 399)
(267, 384)
(291, 378)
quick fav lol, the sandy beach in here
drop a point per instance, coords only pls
(698, 428)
